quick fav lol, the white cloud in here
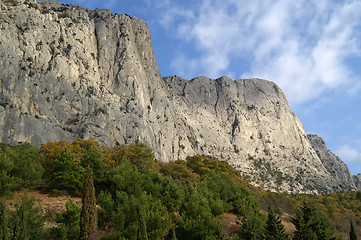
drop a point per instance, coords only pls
(349, 154)
(301, 45)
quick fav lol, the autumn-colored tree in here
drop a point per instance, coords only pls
(108, 156)
(80, 146)
(88, 216)
(180, 172)
(139, 155)
(203, 165)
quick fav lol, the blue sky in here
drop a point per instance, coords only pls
(311, 49)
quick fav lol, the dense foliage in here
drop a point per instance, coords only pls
(140, 198)
(24, 222)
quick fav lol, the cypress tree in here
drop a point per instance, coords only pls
(353, 235)
(88, 216)
(274, 227)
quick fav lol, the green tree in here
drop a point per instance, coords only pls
(358, 195)
(162, 188)
(27, 220)
(196, 219)
(136, 203)
(312, 223)
(68, 222)
(67, 174)
(93, 157)
(251, 219)
(88, 216)
(27, 165)
(7, 181)
(134, 217)
(274, 229)
(353, 235)
(4, 221)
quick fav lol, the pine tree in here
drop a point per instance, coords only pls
(274, 227)
(312, 223)
(27, 219)
(353, 235)
(4, 221)
(88, 216)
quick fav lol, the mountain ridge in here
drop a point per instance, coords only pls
(70, 72)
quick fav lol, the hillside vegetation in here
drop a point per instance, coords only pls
(140, 198)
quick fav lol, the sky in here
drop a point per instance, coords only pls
(311, 49)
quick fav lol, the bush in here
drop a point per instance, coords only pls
(68, 222)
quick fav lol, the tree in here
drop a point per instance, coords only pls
(135, 203)
(274, 227)
(93, 158)
(4, 221)
(68, 222)
(353, 235)
(138, 154)
(180, 172)
(196, 219)
(88, 216)
(27, 166)
(312, 223)
(66, 173)
(49, 156)
(7, 182)
(358, 195)
(27, 220)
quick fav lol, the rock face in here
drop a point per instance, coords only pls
(357, 181)
(332, 163)
(68, 72)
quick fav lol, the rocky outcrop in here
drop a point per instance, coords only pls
(68, 72)
(332, 163)
(357, 181)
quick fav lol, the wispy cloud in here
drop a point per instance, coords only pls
(349, 154)
(301, 45)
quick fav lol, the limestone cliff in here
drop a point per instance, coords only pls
(68, 72)
(333, 164)
(357, 181)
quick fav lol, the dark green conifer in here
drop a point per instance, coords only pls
(88, 216)
(4, 221)
(27, 220)
(274, 227)
(312, 223)
(353, 235)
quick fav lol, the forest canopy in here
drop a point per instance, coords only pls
(141, 198)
